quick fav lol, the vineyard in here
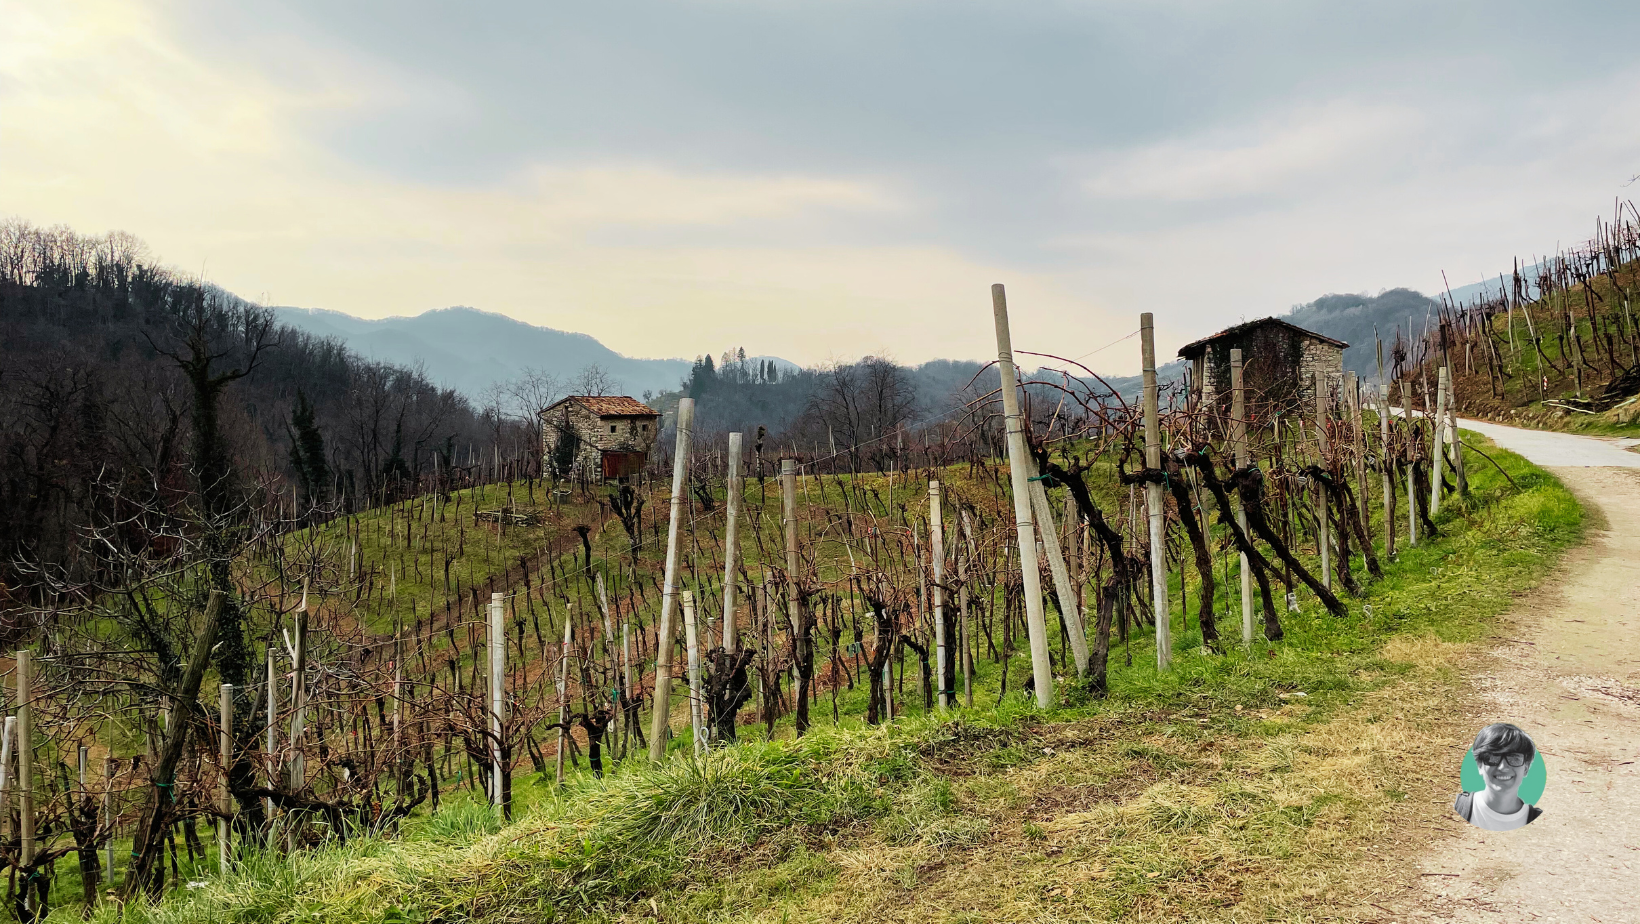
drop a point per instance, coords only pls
(1557, 344)
(746, 640)
(1032, 548)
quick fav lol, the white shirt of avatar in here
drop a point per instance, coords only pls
(1482, 816)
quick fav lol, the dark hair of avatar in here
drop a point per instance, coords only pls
(1497, 742)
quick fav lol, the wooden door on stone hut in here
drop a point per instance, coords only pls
(621, 464)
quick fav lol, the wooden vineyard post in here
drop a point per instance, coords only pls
(1322, 525)
(25, 759)
(296, 778)
(691, 641)
(563, 693)
(1153, 496)
(1454, 437)
(270, 761)
(663, 638)
(6, 777)
(1439, 444)
(1238, 440)
(936, 525)
(967, 626)
(107, 815)
(609, 642)
(1412, 489)
(225, 741)
(1069, 610)
(1387, 478)
(788, 516)
(629, 686)
(497, 639)
(1019, 468)
(1352, 393)
(398, 712)
(731, 536)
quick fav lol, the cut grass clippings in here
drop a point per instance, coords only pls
(1272, 784)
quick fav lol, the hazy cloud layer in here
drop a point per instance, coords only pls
(827, 178)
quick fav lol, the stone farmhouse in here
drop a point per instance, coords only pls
(606, 437)
(1279, 365)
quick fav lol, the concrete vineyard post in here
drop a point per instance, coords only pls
(1019, 467)
(497, 639)
(225, 741)
(936, 525)
(1439, 444)
(1154, 507)
(691, 639)
(731, 537)
(1070, 612)
(663, 638)
(1238, 439)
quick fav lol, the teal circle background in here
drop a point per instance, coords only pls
(1531, 788)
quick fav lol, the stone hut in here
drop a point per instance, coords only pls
(1279, 364)
(599, 438)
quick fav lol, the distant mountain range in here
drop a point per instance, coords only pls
(470, 350)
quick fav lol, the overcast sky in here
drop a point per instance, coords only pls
(824, 179)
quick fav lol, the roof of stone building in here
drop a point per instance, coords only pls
(1192, 350)
(609, 405)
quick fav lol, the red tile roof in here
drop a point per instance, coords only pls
(610, 405)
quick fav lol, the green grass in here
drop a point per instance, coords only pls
(1164, 800)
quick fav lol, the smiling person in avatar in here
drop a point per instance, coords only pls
(1504, 754)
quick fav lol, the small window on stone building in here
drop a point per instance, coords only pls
(612, 428)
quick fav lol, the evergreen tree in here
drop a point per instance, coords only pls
(307, 453)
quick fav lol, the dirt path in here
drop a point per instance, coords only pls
(1568, 671)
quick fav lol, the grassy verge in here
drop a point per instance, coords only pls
(1245, 786)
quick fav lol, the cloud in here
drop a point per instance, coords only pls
(1274, 156)
(818, 180)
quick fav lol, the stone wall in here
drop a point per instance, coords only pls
(595, 435)
(1278, 372)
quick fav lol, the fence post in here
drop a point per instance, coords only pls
(1019, 468)
(225, 740)
(1154, 504)
(731, 537)
(1238, 440)
(664, 632)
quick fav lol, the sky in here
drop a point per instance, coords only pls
(827, 179)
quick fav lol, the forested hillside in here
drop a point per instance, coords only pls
(120, 383)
